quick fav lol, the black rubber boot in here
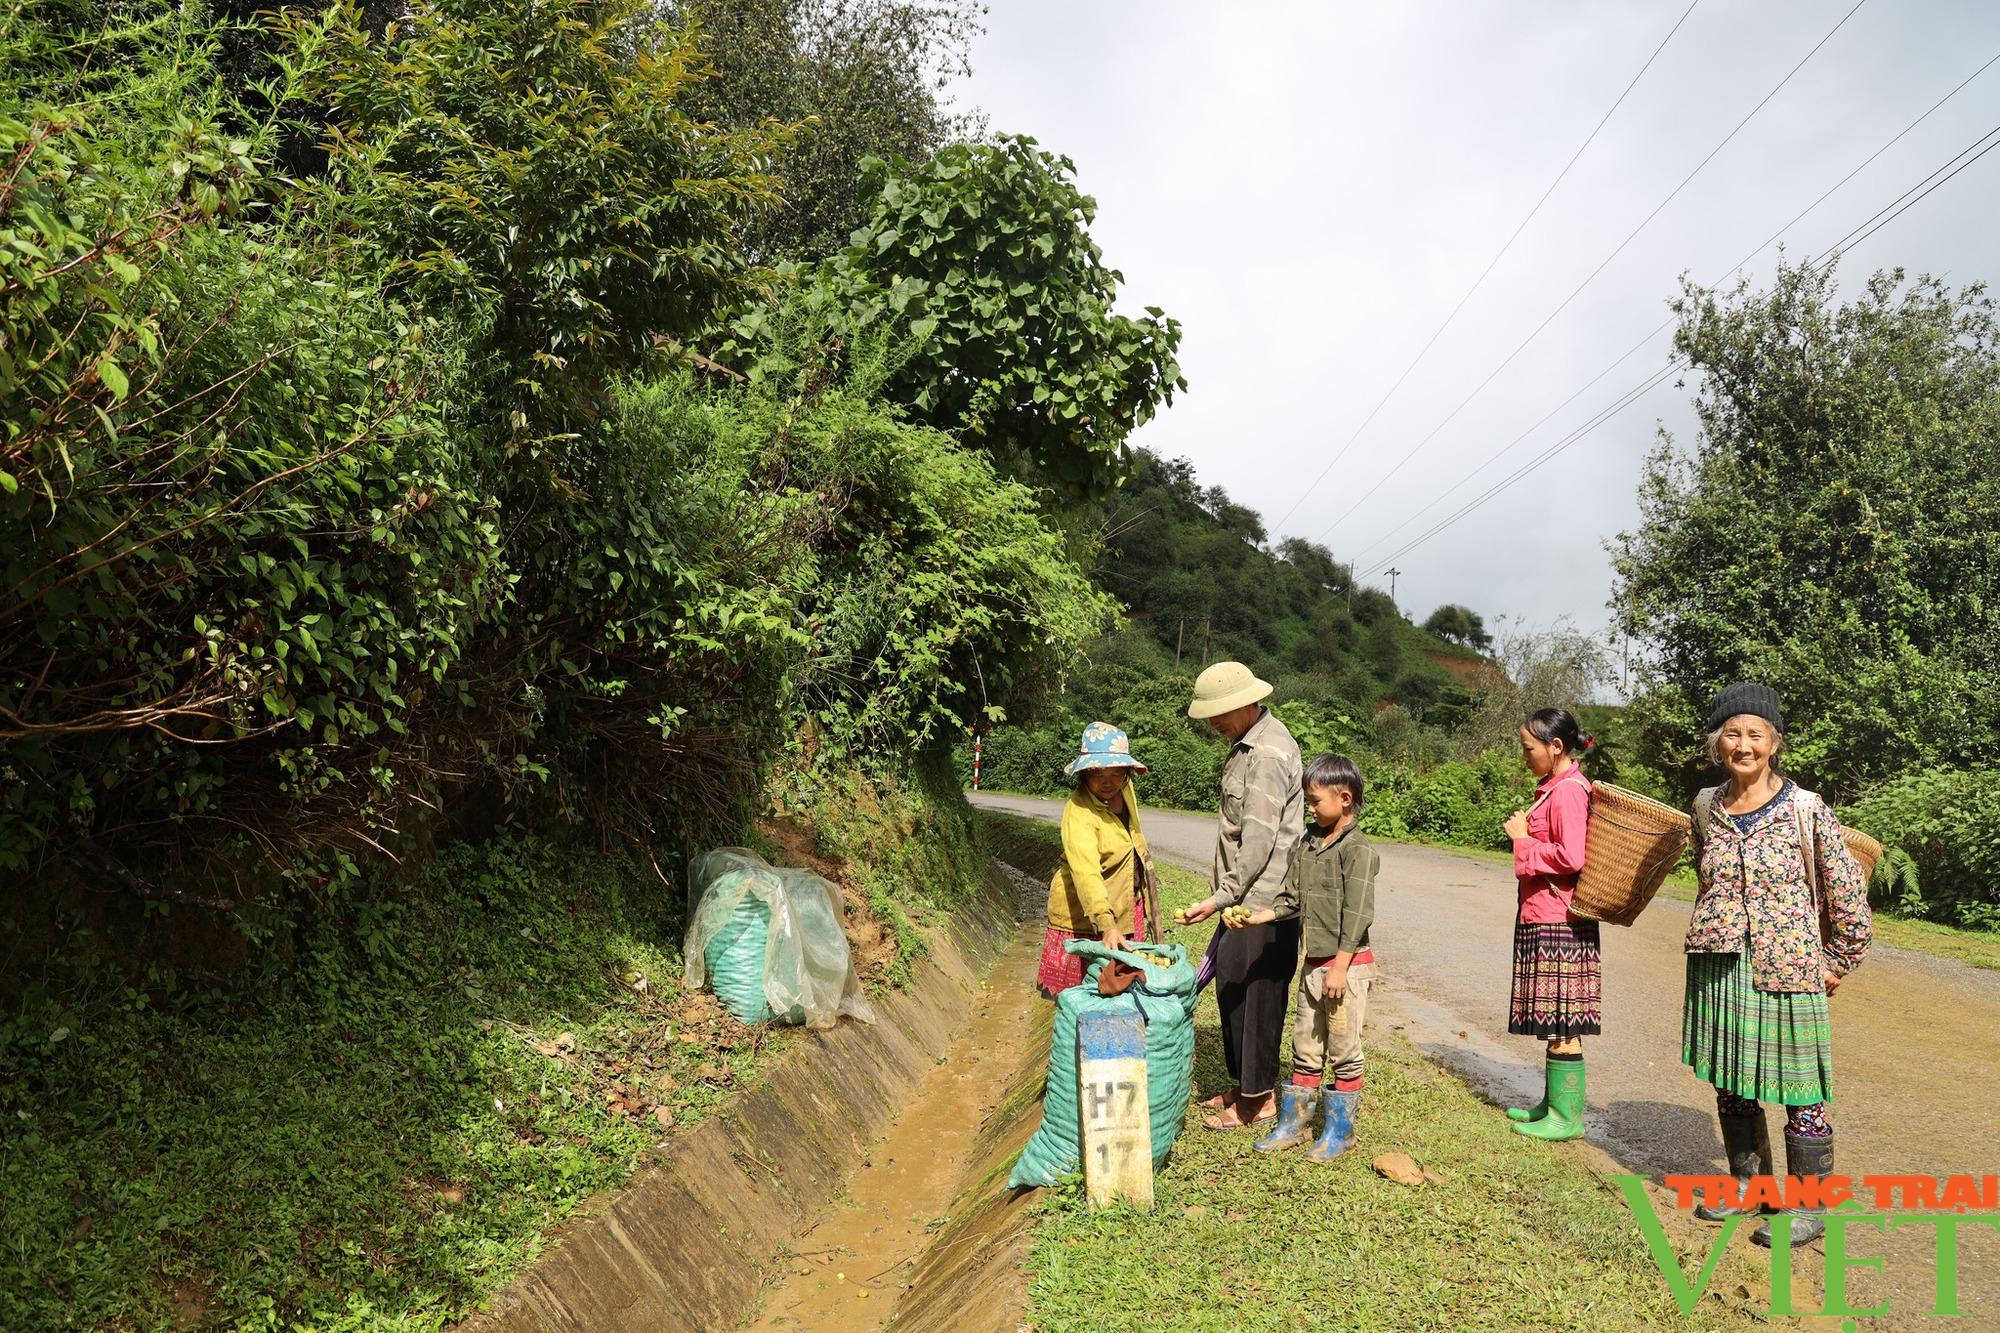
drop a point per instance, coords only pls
(1746, 1142)
(1803, 1157)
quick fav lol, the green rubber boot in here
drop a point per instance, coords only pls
(1564, 1119)
(1526, 1114)
(1296, 1105)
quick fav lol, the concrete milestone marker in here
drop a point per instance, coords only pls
(1111, 1100)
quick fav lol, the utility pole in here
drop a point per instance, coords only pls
(1392, 573)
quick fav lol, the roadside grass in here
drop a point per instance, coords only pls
(1514, 1234)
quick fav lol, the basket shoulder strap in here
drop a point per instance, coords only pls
(1704, 810)
(1539, 800)
(1803, 809)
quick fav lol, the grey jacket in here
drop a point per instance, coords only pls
(1263, 815)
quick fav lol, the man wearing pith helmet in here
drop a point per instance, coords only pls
(1262, 818)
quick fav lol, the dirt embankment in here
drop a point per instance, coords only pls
(1473, 673)
(871, 939)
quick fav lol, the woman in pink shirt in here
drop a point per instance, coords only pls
(1558, 990)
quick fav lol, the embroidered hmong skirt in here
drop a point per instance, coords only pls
(1061, 969)
(1767, 1047)
(1558, 980)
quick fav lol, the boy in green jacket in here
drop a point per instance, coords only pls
(1331, 884)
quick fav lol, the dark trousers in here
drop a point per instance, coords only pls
(1253, 983)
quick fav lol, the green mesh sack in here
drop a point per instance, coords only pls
(1165, 999)
(735, 958)
(768, 941)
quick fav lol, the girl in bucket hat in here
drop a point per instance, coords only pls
(1098, 891)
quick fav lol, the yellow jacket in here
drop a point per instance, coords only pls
(1092, 888)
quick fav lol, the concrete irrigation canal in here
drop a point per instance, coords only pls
(861, 1185)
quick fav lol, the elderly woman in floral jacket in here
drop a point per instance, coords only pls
(1782, 915)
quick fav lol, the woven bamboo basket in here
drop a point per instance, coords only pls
(1633, 841)
(1863, 849)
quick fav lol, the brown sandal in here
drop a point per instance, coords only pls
(1231, 1117)
(1221, 1099)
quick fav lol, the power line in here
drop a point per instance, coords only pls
(1625, 400)
(1490, 264)
(1592, 276)
(1851, 239)
(1657, 329)
(1439, 499)
(1910, 199)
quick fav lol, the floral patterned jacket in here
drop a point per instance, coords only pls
(1754, 898)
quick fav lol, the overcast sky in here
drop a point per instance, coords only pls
(1310, 188)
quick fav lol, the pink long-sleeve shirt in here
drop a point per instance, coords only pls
(1546, 862)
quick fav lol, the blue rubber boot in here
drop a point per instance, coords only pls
(1296, 1105)
(1338, 1136)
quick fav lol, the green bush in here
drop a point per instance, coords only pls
(332, 504)
(1462, 803)
(242, 546)
(1942, 827)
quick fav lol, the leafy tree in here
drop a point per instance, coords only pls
(537, 168)
(1461, 625)
(1832, 529)
(1317, 564)
(1242, 520)
(1556, 667)
(982, 258)
(861, 78)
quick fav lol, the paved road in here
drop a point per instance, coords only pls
(1917, 1042)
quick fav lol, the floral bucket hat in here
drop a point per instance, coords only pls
(1103, 746)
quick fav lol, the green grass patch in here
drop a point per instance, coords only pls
(1974, 948)
(1516, 1234)
(372, 1129)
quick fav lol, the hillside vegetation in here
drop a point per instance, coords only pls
(454, 470)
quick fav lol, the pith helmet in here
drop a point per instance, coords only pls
(1225, 686)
